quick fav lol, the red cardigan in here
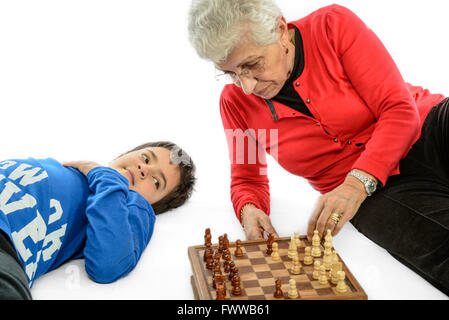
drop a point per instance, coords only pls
(364, 115)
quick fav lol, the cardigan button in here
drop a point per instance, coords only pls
(308, 100)
(297, 84)
(335, 140)
(349, 142)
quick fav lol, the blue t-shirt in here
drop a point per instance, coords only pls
(53, 214)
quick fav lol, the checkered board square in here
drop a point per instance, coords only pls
(258, 273)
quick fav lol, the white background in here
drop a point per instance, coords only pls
(92, 79)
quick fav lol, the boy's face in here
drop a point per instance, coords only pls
(149, 172)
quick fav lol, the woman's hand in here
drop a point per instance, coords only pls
(344, 200)
(83, 166)
(256, 222)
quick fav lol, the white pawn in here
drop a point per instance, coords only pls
(316, 249)
(341, 285)
(292, 292)
(308, 259)
(297, 240)
(275, 254)
(295, 255)
(328, 237)
(323, 278)
(334, 257)
(327, 259)
(328, 241)
(296, 268)
(334, 272)
(292, 248)
(334, 261)
(316, 269)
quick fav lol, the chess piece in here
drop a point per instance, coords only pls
(225, 245)
(292, 292)
(231, 266)
(292, 248)
(296, 268)
(216, 255)
(327, 257)
(238, 249)
(220, 245)
(208, 251)
(328, 237)
(237, 290)
(341, 285)
(278, 291)
(225, 253)
(207, 237)
(275, 255)
(210, 262)
(234, 271)
(334, 262)
(308, 259)
(219, 278)
(334, 272)
(328, 243)
(316, 247)
(217, 267)
(231, 272)
(215, 276)
(234, 280)
(334, 257)
(270, 241)
(221, 291)
(322, 278)
(297, 240)
(226, 267)
(227, 264)
(316, 269)
(225, 241)
(295, 255)
(216, 261)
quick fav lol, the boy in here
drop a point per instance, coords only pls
(51, 213)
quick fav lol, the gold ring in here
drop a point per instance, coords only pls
(335, 217)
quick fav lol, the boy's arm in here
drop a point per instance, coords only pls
(120, 224)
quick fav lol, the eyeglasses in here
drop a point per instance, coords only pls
(251, 69)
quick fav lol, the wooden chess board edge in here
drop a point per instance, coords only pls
(199, 288)
(194, 288)
(359, 290)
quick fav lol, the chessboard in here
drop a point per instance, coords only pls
(258, 274)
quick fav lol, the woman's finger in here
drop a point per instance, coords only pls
(322, 221)
(254, 233)
(265, 223)
(348, 214)
(331, 224)
(313, 219)
(253, 230)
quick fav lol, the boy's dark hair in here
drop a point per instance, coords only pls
(184, 190)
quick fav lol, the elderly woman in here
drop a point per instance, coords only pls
(323, 96)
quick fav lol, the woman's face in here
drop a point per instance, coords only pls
(261, 71)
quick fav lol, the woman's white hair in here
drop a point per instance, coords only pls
(217, 26)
